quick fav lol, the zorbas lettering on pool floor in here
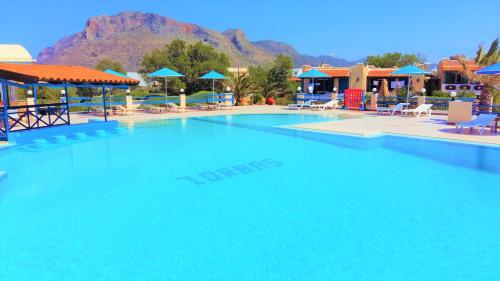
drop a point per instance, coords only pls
(229, 172)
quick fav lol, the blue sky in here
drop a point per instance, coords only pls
(347, 29)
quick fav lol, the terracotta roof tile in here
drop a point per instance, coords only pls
(31, 73)
(337, 72)
(455, 65)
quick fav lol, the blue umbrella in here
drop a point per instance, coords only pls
(110, 71)
(213, 75)
(313, 73)
(409, 71)
(492, 69)
(166, 73)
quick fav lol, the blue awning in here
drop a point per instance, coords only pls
(492, 69)
(165, 72)
(409, 70)
(213, 75)
(314, 73)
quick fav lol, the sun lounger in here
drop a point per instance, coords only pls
(333, 104)
(172, 107)
(392, 110)
(119, 110)
(99, 111)
(421, 109)
(300, 105)
(481, 121)
(152, 109)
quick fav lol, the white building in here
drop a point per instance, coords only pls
(14, 53)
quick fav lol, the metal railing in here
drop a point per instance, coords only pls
(27, 117)
(485, 108)
(390, 101)
(317, 97)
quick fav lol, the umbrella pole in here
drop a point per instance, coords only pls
(213, 90)
(166, 90)
(312, 93)
(408, 92)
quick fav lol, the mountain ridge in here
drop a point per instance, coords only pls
(126, 37)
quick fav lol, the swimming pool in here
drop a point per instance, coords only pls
(237, 198)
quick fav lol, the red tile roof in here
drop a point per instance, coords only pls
(383, 72)
(32, 73)
(336, 72)
(455, 65)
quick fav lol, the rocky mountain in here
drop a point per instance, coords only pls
(128, 36)
(275, 48)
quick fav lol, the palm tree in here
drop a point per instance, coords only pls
(268, 90)
(490, 82)
(489, 58)
(242, 86)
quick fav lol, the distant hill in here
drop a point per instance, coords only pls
(128, 36)
(276, 48)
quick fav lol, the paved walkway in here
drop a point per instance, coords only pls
(433, 127)
(356, 122)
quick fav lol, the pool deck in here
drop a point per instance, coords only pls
(366, 124)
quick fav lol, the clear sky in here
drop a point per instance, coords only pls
(349, 29)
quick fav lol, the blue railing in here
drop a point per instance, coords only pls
(317, 97)
(442, 103)
(488, 108)
(388, 101)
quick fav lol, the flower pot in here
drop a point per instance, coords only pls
(270, 101)
(244, 101)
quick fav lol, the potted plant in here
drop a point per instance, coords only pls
(242, 87)
(269, 90)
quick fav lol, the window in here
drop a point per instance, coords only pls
(454, 78)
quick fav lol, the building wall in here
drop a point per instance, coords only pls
(359, 73)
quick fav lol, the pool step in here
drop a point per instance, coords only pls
(3, 175)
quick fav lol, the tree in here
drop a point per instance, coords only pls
(204, 58)
(269, 88)
(394, 59)
(281, 72)
(105, 64)
(490, 57)
(191, 60)
(242, 86)
(490, 82)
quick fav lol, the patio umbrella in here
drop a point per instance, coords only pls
(213, 75)
(313, 73)
(491, 70)
(166, 73)
(409, 71)
(110, 71)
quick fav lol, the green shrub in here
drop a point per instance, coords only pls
(444, 94)
(284, 100)
(257, 98)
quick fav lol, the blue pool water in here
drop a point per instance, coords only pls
(234, 198)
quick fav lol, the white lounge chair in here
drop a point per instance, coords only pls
(481, 121)
(421, 109)
(300, 105)
(333, 104)
(392, 110)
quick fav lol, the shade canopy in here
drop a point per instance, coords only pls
(314, 73)
(110, 71)
(165, 72)
(58, 74)
(409, 70)
(213, 75)
(492, 69)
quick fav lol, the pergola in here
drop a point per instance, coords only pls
(33, 76)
